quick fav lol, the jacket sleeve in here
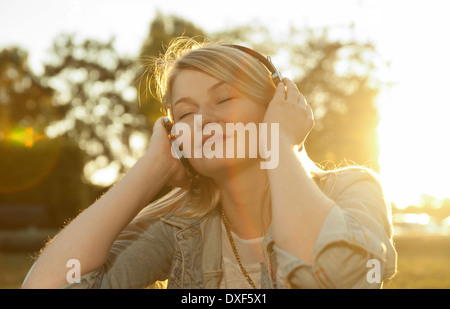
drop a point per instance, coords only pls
(354, 248)
(139, 257)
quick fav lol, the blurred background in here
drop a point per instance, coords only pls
(75, 114)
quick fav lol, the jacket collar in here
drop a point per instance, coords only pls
(207, 231)
(182, 222)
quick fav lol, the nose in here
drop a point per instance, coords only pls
(207, 116)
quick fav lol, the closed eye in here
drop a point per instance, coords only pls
(225, 100)
(184, 115)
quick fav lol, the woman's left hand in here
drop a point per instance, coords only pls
(290, 110)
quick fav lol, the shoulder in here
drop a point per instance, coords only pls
(359, 192)
(335, 182)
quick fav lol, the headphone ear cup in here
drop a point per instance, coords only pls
(277, 78)
(168, 125)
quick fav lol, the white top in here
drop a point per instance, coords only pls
(251, 255)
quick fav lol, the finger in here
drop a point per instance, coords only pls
(310, 115)
(280, 93)
(308, 111)
(301, 100)
(161, 120)
(158, 123)
(290, 83)
(292, 93)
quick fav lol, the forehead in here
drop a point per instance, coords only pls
(191, 82)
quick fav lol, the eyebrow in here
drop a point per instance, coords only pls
(211, 89)
(216, 86)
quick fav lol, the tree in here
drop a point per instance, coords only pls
(25, 111)
(35, 170)
(94, 84)
(25, 102)
(343, 102)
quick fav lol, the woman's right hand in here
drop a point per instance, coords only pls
(160, 144)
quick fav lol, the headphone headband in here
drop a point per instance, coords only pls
(266, 61)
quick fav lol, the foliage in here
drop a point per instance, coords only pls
(343, 102)
(94, 83)
(24, 100)
(36, 169)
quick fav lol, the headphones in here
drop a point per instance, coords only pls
(266, 61)
(168, 122)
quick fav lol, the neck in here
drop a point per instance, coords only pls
(245, 200)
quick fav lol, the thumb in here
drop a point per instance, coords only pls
(159, 122)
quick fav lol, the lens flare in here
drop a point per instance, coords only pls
(25, 136)
(27, 158)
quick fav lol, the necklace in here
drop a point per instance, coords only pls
(236, 254)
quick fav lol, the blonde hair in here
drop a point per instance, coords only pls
(225, 63)
(236, 68)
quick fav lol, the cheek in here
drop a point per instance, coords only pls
(246, 112)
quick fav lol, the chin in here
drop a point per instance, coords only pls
(219, 166)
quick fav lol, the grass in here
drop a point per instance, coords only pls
(423, 263)
(13, 269)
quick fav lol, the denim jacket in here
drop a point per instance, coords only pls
(187, 252)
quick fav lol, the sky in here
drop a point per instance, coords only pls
(411, 35)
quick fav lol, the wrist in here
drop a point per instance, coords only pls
(286, 143)
(156, 165)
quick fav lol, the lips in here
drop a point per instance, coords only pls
(214, 139)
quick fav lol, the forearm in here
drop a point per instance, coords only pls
(89, 237)
(299, 207)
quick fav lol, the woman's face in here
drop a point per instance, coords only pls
(195, 94)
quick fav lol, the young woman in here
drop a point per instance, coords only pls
(235, 225)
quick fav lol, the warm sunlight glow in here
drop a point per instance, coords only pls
(138, 141)
(422, 218)
(410, 35)
(414, 126)
(100, 172)
(105, 177)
